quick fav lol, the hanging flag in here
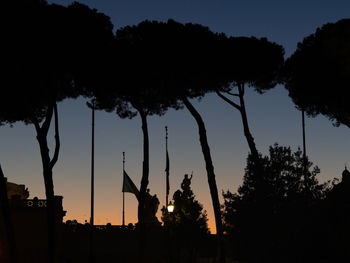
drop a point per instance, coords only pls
(167, 173)
(129, 186)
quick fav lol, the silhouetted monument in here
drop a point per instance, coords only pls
(151, 208)
(340, 192)
(346, 176)
(185, 185)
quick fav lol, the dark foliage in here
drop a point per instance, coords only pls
(317, 75)
(177, 57)
(155, 63)
(91, 49)
(185, 226)
(52, 53)
(188, 218)
(272, 217)
(251, 61)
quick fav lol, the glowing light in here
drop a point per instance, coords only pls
(171, 207)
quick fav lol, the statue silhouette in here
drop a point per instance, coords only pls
(151, 207)
(185, 185)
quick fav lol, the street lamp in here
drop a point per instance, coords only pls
(170, 207)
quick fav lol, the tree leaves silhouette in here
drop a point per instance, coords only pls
(42, 51)
(284, 205)
(317, 75)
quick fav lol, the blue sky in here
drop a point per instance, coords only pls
(272, 117)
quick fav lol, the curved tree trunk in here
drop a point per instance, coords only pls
(10, 247)
(210, 174)
(258, 167)
(48, 165)
(241, 108)
(246, 129)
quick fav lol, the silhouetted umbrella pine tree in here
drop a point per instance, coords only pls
(317, 75)
(33, 80)
(178, 59)
(248, 62)
(161, 65)
(133, 90)
(39, 73)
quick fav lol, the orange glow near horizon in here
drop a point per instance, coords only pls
(106, 216)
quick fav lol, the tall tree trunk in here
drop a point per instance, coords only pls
(145, 167)
(10, 245)
(48, 165)
(306, 179)
(142, 256)
(210, 174)
(51, 215)
(246, 129)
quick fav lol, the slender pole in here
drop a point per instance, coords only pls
(91, 252)
(167, 169)
(304, 144)
(92, 163)
(304, 147)
(123, 191)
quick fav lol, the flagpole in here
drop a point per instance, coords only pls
(123, 191)
(91, 252)
(92, 162)
(167, 172)
(304, 147)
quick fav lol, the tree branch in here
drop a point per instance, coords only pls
(241, 89)
(233, 94)
(229, 101)
(57, 139)
(36, 125)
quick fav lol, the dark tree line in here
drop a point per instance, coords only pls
(276, 217)
(55, 53)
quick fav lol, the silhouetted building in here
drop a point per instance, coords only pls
(346, 176)
(341, 192)
(16, 189)
(29, 218)
(336, 221)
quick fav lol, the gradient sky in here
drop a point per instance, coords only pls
(272, 117)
